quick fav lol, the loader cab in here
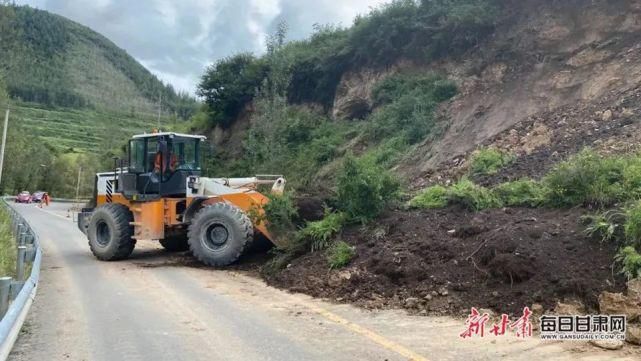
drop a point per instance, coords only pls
(160, 164)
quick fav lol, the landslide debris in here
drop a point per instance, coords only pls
(446, 261)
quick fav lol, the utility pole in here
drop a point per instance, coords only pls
(78, 184)
(159, 109)
(4, 142)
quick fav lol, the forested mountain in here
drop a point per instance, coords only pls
(53, 61)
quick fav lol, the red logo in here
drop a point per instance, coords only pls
(476, 323)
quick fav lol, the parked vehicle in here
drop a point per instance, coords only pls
(37, 197)
(23, 197)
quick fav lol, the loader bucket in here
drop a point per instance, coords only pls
(252, 203)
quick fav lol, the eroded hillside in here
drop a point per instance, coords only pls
(514, 154)
(559, 77)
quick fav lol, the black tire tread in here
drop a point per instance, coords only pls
(241, 219)
(123, 233)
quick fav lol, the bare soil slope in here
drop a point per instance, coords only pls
(556, 63)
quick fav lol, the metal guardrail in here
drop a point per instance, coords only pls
(17, 295)
(65, 200)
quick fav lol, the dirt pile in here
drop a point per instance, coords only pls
(446, 261)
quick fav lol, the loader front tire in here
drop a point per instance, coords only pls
(110, 232)
(219, 234)
(175, 243)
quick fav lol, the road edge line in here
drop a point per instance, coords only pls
(355, 328)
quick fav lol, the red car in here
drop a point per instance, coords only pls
(23, 197)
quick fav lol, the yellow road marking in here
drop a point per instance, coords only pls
(355, 328)
(373, 336)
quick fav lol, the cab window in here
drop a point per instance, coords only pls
(137, 156)
(185, 154)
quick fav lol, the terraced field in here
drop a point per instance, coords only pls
(76, 130)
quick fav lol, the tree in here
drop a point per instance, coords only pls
(230, 84)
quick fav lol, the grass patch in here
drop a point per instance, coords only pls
(488, 161)
(280, 214)
(84, 130)
(473, 196)
(521, 193)
(632, 176)
(340, 255)
(589, 179)
(633, 224)
(630, 261)
(464, 193)
(607, 226)
(320, 233)
(364, 188)
(431, 198)
(7, 246)
(408, 102)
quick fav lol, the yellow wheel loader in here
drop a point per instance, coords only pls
(161, 195)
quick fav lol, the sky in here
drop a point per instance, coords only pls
(178, 39)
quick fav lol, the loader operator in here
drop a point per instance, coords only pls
(163, 156)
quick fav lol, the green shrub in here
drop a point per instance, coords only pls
(464, 193)
(7, 246)
(408, 103)
(229, 84)
(487, 161)
(405, 29)
(317, 65)
(281, 214)
(586, 178)
(607, 226)
(394, 87)
(630, 261)
(472, 196)
(289, 140)
(461, 24)
(632, 177)
(432, 197)
(340, 255)
(320, 233)
(364, 188)
(521, 193)
(633, 223)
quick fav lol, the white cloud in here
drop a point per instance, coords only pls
(167, 10)
(262, 13)
(178, 39)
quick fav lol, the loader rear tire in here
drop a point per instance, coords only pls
(110, 232)
(219, 234)
(175, 243)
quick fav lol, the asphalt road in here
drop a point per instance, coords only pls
(149, 308)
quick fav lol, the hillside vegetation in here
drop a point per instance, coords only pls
(53, 61)
(290, 90)
(401, 30)
(69, 130)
